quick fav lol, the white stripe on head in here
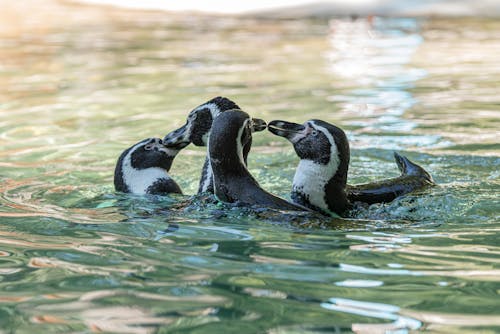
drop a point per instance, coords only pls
(214, 111)
(191, 119)
(334, 162)
(168, 151)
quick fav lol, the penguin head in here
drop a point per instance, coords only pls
(231, 135)
(315, 140)
(142, 164)
(152, 152)
(199, 123)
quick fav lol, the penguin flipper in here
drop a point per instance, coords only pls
(408, 167)
(413, 177)
(164, 186)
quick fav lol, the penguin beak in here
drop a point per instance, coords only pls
(177, 139)
(168, 150)
(291, 131)
(179, 146)
(258, 125)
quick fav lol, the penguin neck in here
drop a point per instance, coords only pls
(228, 162)
(230, 174)
(319, 186)
(207, 178)
(207, 175)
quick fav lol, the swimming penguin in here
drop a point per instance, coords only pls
(143, 168)
(320, 180)
(197, 129)
(321, 176)
(231, 132)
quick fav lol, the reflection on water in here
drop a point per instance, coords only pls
(373, 310)
(373, 55)
(78, 84)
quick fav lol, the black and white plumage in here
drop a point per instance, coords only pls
(231, 132)
(321, 176)
(143, 168)
(320, 180)
(197, 129)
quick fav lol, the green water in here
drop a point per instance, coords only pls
(81, 86)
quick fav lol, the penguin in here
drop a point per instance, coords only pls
(321, 176)
(197, 129)
(320, 180)
(231, 132)
(143, 168)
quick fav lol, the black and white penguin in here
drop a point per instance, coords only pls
(231, 132)
(143, 168)
(197, 129)
(321, 176)
(320, 180)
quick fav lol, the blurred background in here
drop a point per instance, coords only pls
(80, 81)
(327, 8)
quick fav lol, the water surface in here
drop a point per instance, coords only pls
(80, 84)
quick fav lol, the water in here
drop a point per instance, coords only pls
(80, 84)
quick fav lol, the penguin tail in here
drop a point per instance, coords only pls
(408, 167)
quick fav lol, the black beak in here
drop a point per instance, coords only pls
(179, 146)
(258, 125)
(177, 139)
(286, 129)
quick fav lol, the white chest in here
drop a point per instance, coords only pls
(310, 179)
(138, 181)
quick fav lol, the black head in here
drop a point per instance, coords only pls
(199, 123)
(316, 141)
(231, 133)
(149, 153)
(143, 168)
(152, 153)
(146, 154)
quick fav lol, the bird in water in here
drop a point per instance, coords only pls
(143, 168)
(320, 180)
(197, 129)
(231, 132)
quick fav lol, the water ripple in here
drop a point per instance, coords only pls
(79, 84)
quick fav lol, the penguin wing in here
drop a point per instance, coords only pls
(164, 186)
(408, 167)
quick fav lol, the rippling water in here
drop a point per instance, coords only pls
(80, 84)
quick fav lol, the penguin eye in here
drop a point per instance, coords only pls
(148, 147)
(314, 132)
